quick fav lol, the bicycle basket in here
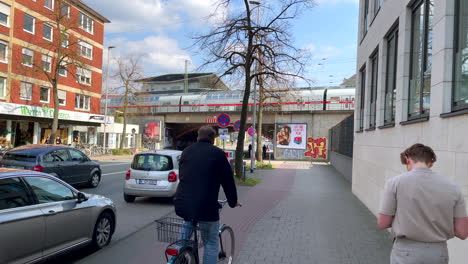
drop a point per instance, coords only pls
(172, 230)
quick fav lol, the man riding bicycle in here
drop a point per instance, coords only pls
(203, 169)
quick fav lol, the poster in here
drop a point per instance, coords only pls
(291, 136)
(152, 130)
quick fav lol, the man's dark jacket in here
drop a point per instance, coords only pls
(203, 168)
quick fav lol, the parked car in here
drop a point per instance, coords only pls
(42, 216)
(152, 174)
(66, 163)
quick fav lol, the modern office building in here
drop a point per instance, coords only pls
(30, 45)
(412, 87)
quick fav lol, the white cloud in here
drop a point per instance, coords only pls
(153, 15)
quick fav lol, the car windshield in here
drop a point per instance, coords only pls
(19, 156)
(152, 162)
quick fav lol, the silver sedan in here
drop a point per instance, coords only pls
(41, 216)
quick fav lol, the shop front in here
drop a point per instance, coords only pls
(23, 125)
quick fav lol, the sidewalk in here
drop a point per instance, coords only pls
(112, 158)
(304, 214)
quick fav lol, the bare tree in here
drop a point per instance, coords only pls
(61, 53)
(129, 70)
(238, 43)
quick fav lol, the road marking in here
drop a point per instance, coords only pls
(115, 164)
(114, 173)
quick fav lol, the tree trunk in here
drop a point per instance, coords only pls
(260, 124)
(53, 133)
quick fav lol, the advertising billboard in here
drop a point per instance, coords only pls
(291, 136)
(153, 130)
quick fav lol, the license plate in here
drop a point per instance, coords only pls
(150, 182)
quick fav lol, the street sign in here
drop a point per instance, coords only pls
(223, 120)
(237, 125)
(224, 137)
(251, 131)
(223, 131)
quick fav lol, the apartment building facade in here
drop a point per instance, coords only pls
(412, 87)
(34, 34)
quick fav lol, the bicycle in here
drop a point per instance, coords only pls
(184, 240)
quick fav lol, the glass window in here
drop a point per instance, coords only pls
(29, 23)
(363, 98)
(44, 94)
(65, 10)
(65, 41)
(2, 86)
(377, 4)
(63, 69)
(49, 4)
(421, 60)
(4, 14)
(47, 32)
(28, 57)
(460, 89)
(26, 91)
(390, 85)
(49, 191)
(57, 156)
(83, 76)
(62, 96)
(365, 16)
(77, 155)
(3, 51)
(373, 90)
(82, 102)
(85, 49)
(13, 194)
(152, 162)
(47, 63)
(86, 23)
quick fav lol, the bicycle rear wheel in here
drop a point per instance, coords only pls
(227, 245)
(185, 257)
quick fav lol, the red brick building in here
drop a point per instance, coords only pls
(29, 35)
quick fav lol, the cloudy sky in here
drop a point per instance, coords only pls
(162, 30)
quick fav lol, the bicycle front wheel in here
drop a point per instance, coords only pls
(227, 245)
(185, 257)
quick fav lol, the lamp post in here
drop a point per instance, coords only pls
(107, 97)
(252, 154)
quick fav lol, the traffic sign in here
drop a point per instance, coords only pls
(223, 120)
(251, 131)
(237, 125)
(223, 131)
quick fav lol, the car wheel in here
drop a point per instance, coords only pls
(103, 229)
(129, 198)
(95, 179)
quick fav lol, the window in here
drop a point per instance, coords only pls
(363, 98)
(4, 14)
(82, 102)
(460, 88)
(86, 23)
(152, 162)
(46, 63)
(47, 32)
(365, 16)
(85, 49)
(77, 155)
(13, 194)
(83, 76)
(2, 87)
(390, 82)
(62, 96)
(373, 90)
(65, 10)
(48, 190)
(3, 51)
(44, 95)
(63, 69)
(28, 57)
(421, 60)
(377, 4)
(29, 23)
(49, 4)
(25, 91)
(65, 41)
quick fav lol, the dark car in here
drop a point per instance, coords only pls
(67, 163)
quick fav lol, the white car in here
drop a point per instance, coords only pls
(152, 174)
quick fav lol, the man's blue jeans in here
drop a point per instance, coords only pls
(209, 233)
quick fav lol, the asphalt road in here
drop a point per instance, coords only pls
(131, 218)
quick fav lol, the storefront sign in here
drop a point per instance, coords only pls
(46, 112)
